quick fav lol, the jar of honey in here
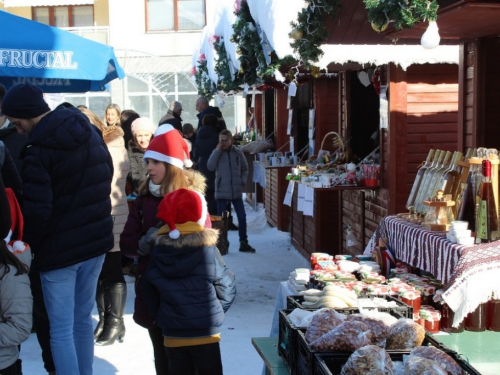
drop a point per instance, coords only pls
(476, 320)
(493, 315)
(432, 321)
(447, 316)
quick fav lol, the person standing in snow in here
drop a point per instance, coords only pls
(67, 177)
(187, 286)
(165, 160)
(231, 171)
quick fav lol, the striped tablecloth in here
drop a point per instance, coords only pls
(471, 274)
(421, 248)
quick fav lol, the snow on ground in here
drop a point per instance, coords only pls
(258, 276)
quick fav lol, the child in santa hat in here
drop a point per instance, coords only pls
(188, 287)
(166, 158)
(16, 303)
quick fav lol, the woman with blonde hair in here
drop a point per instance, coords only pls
(111, 292)
(166, 157)
(112, 115)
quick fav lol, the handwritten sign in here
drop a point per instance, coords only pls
(289, 192)
(309, 201)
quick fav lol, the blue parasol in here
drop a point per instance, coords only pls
(53, 59)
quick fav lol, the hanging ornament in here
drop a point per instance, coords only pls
(296, 34)
(291, 75)
(232, 40)
(193, 71)
(379, 29)
(430, 39)
(239, 50)
(315, 71)
(241, 70)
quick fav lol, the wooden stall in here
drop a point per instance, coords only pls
(278, 214)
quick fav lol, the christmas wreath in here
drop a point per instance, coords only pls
(404, 13)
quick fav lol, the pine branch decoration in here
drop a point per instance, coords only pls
(309, 31)
(404, 13)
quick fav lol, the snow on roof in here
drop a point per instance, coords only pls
(402, 55)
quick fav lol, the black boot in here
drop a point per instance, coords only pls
(114, 329)
(103, 307)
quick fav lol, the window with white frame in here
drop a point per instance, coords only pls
(65, 16)
(175, 15)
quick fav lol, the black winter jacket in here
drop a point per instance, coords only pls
(66, 185)
(188, 286)
(211, 111)
(138, 169)
(15, 142)
(206, 141)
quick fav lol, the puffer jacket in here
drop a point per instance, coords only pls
(16, 310)
(15, 142)
(138, 169)
(231, 171)
(67, 178)
(206, 141)
(142, 217)
(113, 137)
(188, 286)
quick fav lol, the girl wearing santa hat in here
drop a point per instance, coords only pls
(166, 158)
(16, 303)
(187, 286)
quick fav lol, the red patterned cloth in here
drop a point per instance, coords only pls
(421, 248)
(471, 274)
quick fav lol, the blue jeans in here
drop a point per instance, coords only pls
(69, 295)
(240, 214)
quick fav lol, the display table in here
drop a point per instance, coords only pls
(267, 347)
(471, 274)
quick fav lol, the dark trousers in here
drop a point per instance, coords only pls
(41, 320)
(161, 361)
(112, 271)
(13, 369)
(195, 360)
(239, 207)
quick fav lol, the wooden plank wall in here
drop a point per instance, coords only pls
(468, 93)
(432, 114)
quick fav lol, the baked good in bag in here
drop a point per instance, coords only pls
(444, 360)
(347, 337)
(323, 321)
(379, 330)
(415, 365)
(369, 359)
(405, 334)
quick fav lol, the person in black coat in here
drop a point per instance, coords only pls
(67, 177)
(207, 139)
(204, 109)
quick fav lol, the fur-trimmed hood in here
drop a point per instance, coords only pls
(196, 181)
(177, 258)
(112, 133)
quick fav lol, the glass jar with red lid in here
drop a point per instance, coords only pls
(411, 298)
(432, 320)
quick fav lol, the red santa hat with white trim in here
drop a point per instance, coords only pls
(169, 146)
(17, 226)
(184, 211)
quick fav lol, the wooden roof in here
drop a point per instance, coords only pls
(458, 20)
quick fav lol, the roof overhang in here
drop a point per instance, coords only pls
(337, 56)
(44, 3)
(464, 20)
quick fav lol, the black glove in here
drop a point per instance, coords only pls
(147, 241)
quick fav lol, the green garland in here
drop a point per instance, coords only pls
(253, 65)
(205, 85)
(309, 31)
(225, 82)
(404, 13)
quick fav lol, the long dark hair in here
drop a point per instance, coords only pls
(8, 259)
